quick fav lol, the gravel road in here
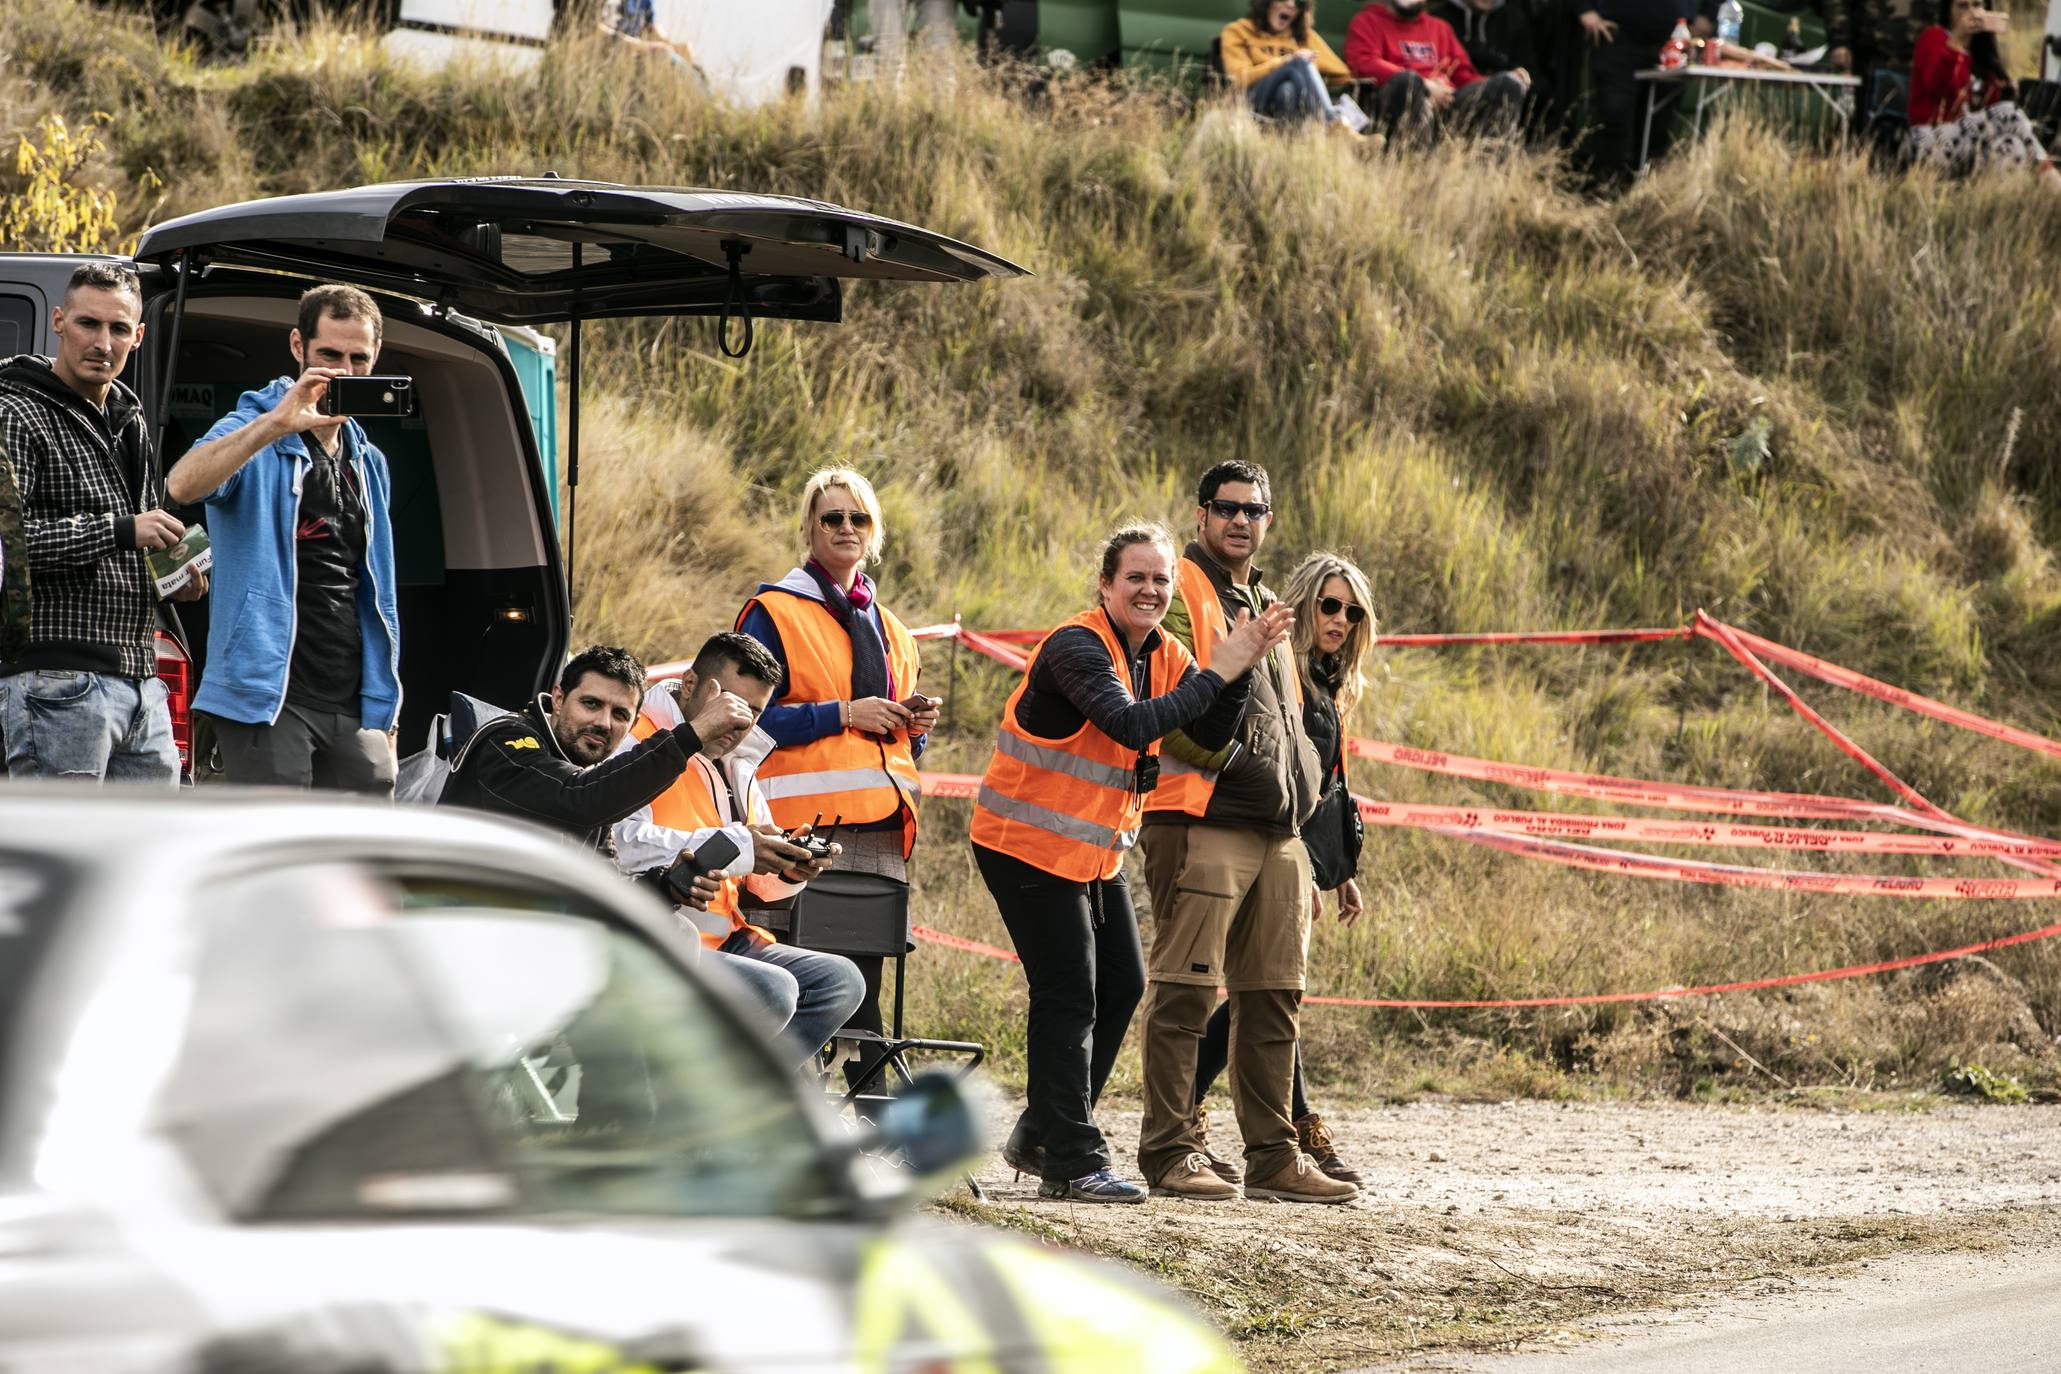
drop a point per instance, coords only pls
(1499, 1227)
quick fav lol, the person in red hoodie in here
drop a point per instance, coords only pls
(1963, 105)
(1423, 74)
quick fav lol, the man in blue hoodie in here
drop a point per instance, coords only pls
(304, 646)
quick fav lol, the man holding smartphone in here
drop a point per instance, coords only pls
(551, 762)
(302, 679)
(715, 811)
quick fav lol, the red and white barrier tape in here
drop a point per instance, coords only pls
(1560, 825)
(959, 942)
(1542, 835)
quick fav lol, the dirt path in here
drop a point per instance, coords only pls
(1488, 1226)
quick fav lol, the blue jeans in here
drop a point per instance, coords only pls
(1292, 90)
(81, 726)
(807, 991)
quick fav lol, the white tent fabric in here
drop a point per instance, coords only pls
(747, 51)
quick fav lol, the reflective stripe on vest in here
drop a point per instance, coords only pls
(687, 806)
(845, 774)
(1182, 786)
(1069, 806)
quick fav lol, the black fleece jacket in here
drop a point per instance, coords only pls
(516, 768)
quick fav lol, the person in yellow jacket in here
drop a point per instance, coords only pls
(808, 992)
(1076, 753)
(1281, 63)
(846, 724)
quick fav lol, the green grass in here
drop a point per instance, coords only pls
(1817, 401)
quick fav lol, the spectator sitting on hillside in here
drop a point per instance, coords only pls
(1497, 34)
(1964, 111)
(1283, 65)
(1424, 75)
(634, 23)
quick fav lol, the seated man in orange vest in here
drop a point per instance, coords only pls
(809, 992)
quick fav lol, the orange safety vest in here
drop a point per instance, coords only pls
(688, 805)
(1068, 806)
(846, 775)
(1183, 786)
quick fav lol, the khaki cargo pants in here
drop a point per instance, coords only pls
(1230, 908)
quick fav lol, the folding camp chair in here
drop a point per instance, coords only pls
(1887, 125)
(862, 915)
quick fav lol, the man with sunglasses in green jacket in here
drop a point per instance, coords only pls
(1230, 883)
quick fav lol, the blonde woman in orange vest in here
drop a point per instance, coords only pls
(807, 992)
(847, 724)
(1075, 754)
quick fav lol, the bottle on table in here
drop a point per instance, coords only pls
(1675, 53)
(1792, 40)
(1729, 17)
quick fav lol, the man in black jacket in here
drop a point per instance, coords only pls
(546, 764)
(1625, 38)
(81, 699)
(1496, 33)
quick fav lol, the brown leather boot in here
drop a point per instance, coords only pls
(1222, 1168)
(1301, 1180)
(1315, 1137)
(1193, 1178)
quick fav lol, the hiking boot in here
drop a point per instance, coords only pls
(1100, 1186)
(1193, 1178)
(1022, 1156)
(1302, 1181)
(1222, 1168)
(1315, 1138)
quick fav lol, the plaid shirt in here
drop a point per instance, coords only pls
(14, 567)
(94, 606)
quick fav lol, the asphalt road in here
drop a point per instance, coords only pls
(1950, 1314)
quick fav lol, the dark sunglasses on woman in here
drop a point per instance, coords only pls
(1331, 605)
(835, 519)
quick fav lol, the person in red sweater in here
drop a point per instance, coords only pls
(1963, 108)
(1423, 75)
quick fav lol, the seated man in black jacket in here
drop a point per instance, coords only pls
(1497, 34)
(546, 763)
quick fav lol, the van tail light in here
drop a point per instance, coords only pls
(175, 670)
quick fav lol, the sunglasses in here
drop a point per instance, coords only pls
(1354, 611)
(835, 519)
(1226, 510)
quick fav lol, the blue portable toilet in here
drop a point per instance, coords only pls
(534, 355)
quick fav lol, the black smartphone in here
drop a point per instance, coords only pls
(369, 396)
(718, 852)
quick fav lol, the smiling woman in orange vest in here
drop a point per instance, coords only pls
(1075, 754)
(847, 723)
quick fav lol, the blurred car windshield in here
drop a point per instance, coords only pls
(33, 889)
(366, 1043)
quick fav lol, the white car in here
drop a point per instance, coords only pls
(288, 1084)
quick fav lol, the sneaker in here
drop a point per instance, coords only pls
(1315, 1138)
(1302, 1181)
(1100, 1186)
(1193, 1178)
(1222, 1168)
